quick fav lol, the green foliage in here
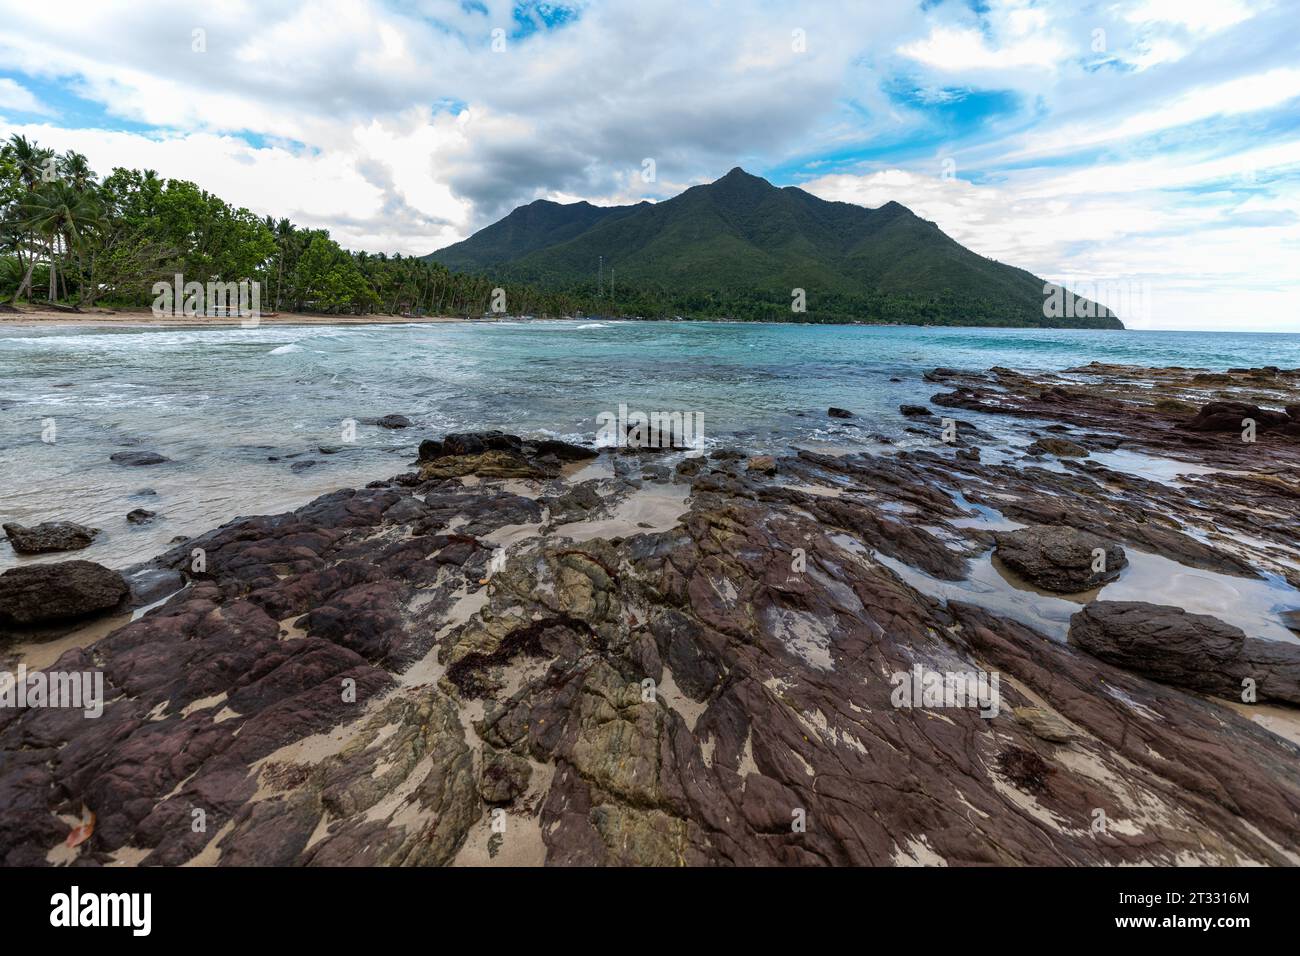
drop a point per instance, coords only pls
(738, 247)
(110, 241)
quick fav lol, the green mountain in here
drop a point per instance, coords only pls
(529, 228)
(739, 247)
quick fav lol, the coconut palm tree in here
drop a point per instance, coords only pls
(34, 164)
(61, 214)
(33, 161)
(75, 169)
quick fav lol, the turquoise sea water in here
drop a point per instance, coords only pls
(221, 402)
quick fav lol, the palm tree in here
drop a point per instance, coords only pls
(284, 234)
(59, 212)
(75, 168)
(32, 160)
(33, 164)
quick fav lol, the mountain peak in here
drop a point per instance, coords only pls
(736, 174)
(894, 207)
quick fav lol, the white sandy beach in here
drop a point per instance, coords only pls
(143, 317)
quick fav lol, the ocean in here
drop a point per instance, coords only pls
(255, 420)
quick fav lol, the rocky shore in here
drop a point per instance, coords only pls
(524, 652)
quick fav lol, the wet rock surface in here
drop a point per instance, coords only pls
(137, 458)
(497, 660)
(49, 536)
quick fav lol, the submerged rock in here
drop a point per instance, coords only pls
(1061, 559)
(137, 458)
(49, 536)
(834, 412)
(140, 516)
(38, 594)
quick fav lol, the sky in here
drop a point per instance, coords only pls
(1143, 152)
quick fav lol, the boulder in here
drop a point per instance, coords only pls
(49, 536)
(494, 454)
(1194, 651)
(393, 421)
(762, 464)
(834, 412)
(38, 594)
(915, 411)
(140, 516)
(1059, 558)
(475, 443)
(1230, 416)
(563, 450)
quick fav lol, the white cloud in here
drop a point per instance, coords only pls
(395, 125)
(15, 96)
(1199, 16)
(956, 50)
(1210, 259)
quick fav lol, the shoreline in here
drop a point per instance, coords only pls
(143, 318)
(45, 318)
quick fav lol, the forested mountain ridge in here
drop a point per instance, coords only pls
(739, 247)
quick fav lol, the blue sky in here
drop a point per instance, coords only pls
(1146, 152)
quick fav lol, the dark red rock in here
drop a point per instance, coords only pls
(38, 594)
(1232, 416)
(1195, 651)
(1060, 558)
